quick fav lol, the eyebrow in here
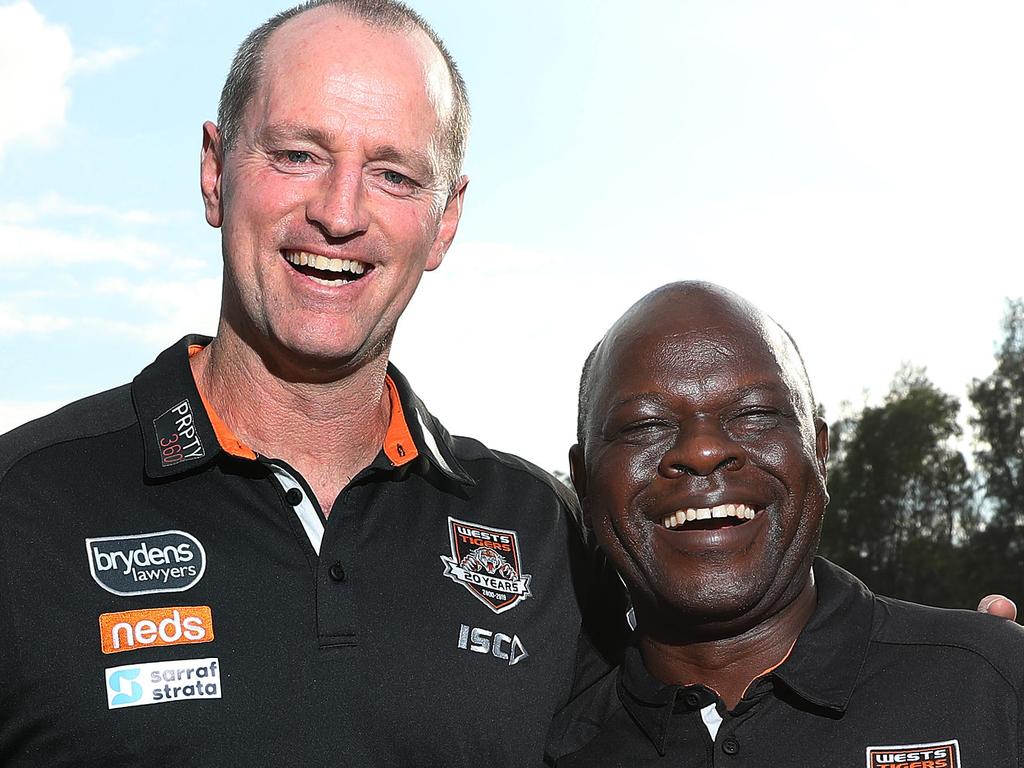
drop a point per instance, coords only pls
(420, 162)
(660, 398)
(762, 388)
(277, 132)
(642, 397)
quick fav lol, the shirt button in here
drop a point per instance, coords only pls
(293, 496)
(730, 746)
(692, 700)
(337, 572)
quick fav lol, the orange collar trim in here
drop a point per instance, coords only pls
(398, 443)
(399, 446)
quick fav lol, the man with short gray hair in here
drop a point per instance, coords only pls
(265, 550)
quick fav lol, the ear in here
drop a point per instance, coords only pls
(211, 172)
(578, 476)
(821, 445)
(449, 225)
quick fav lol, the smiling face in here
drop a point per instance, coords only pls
(333, 200)
(703, 470)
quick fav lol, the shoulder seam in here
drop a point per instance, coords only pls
(1013, 687)
(14, 462)
(535, 473)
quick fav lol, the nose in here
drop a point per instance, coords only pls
(701, 448)
(338, 203)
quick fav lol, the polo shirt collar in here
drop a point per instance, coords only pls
(648, 701)
(179, 435)
(430, 437)
(826, 661)
(822, 668)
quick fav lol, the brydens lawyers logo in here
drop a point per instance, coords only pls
(136, 685)
(176, 435)
(179, 625)
(937, 754)
(146, 563)
(486, 562)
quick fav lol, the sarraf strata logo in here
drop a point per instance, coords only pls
(136, 685)
(146, 563)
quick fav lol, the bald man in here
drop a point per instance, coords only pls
(700, 467)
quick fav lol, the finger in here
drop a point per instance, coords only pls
(998, 605)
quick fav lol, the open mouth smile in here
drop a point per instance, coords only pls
(327, 271)
(709, 518)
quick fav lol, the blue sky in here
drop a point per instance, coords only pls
(854, 168)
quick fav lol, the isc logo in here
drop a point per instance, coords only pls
(179, 625)
(500, 646)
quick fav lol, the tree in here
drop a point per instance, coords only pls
(998, 422)
(902, 498)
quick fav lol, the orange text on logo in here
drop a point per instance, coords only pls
(177, 625)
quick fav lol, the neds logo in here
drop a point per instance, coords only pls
(150, 627)
(146, 563)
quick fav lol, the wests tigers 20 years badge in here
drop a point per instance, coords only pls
(486, 561)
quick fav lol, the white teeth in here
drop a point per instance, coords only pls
(328, 282)
(681, 517)
(325, 264)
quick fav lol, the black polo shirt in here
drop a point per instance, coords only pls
(871, 682)
(168, 598)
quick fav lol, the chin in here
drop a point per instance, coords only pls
(713, 608)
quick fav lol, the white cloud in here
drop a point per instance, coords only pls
(14, 321)
(96, 60)
(164, 300)
(30, 247)
(51, 206)
(149, 312)
(36, 61)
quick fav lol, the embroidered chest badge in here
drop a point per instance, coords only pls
(938, 754)
(486, 561)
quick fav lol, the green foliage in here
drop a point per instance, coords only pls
(907, 513)
(998, 423)
(997, 553)
(902, 498)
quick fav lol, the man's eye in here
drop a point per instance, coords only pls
(394, 177)
(754, 421)
(638, 430)
(297, 156)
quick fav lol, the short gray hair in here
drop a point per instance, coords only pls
(247, 67)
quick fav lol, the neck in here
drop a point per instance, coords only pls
(728, 665)
(327, 430)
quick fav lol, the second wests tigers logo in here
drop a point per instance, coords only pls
(486, 562)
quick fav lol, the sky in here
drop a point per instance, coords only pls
(855, 169)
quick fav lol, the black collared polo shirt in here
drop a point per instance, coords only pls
(168, 598)
(871, 682)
